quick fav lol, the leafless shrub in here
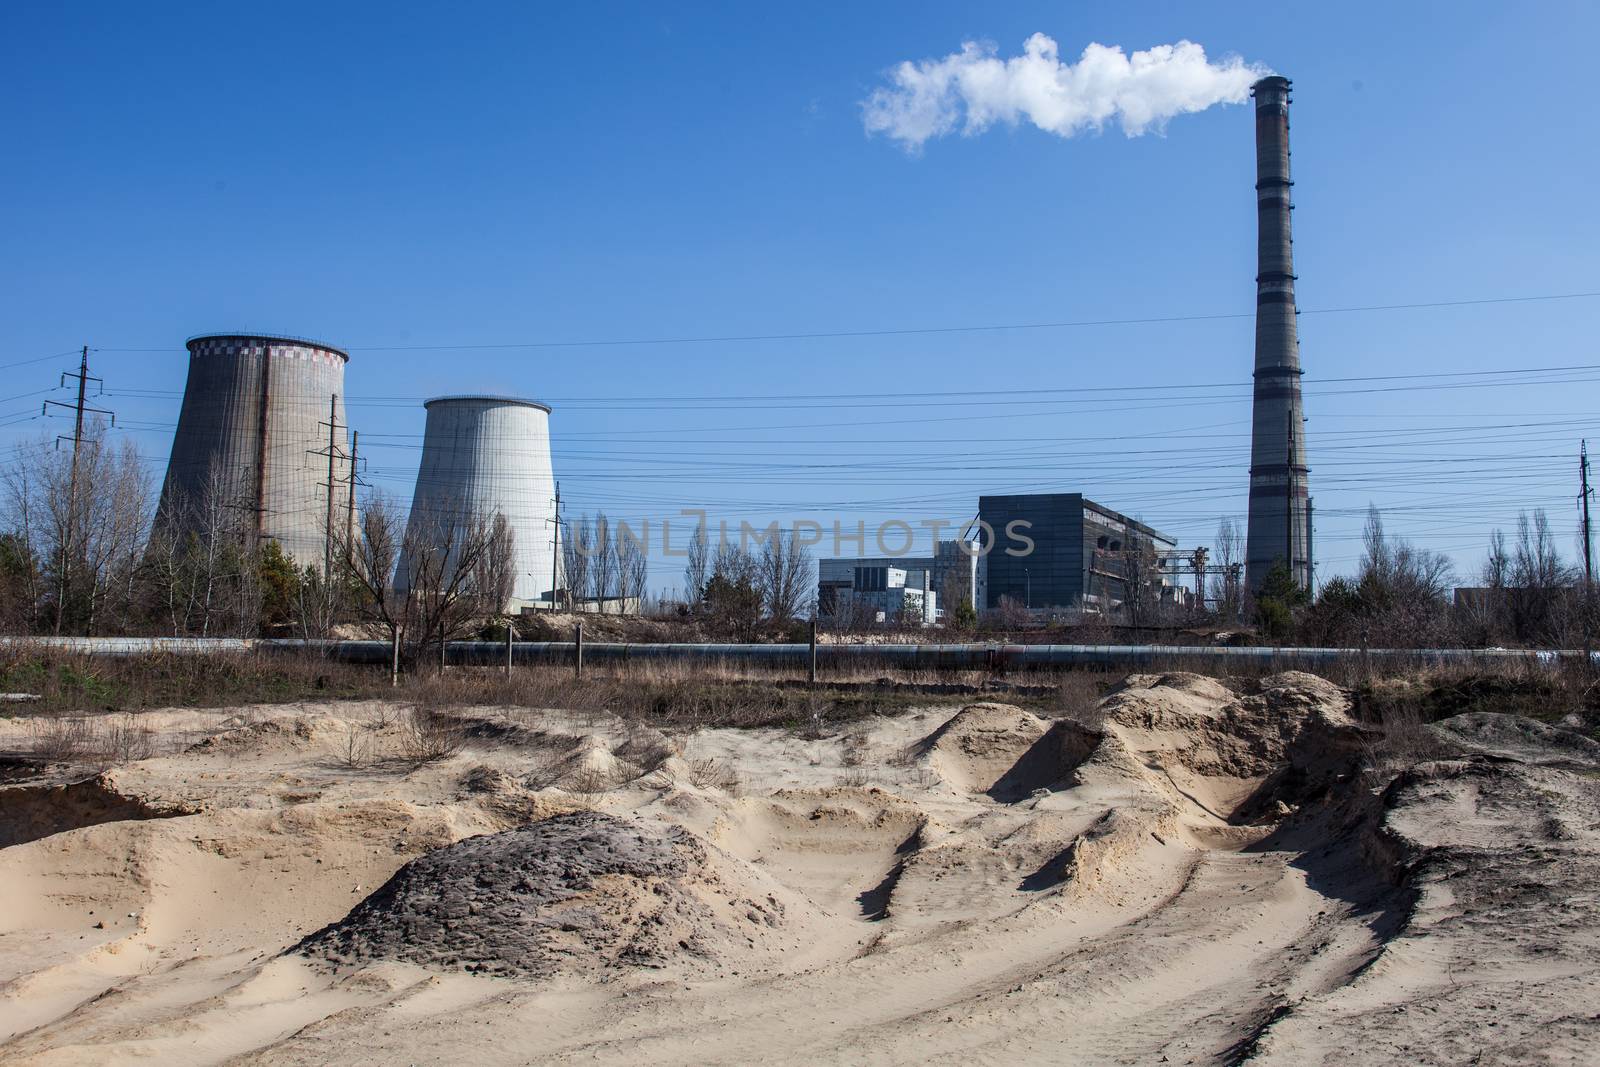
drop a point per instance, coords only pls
(816, 720)
(907, 755)
(58, 738)
(589, 784)
(428, 735)
(854, 750)
(645, 748)
(356, 748)
(664, 777)
(713, 774)
(1406, 741)
(855, 778)
(383, 717)
(124, 740)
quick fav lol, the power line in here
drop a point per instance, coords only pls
(927, 330)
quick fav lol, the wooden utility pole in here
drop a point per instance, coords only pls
(812, 673)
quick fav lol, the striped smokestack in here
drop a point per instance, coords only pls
(1278, 528)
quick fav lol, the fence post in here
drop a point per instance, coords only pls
(813, 670)
(577, 649)
(510, 633)
(394, 663)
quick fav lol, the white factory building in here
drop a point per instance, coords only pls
(898, 589)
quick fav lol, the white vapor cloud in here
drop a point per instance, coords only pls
(973, 89)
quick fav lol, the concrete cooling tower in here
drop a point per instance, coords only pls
(255, 411)
(482, 455)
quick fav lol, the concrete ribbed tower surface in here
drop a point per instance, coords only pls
(482, 455)
(255, 410)
(1278, 525)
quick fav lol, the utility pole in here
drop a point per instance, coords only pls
(1588, 545)
(1311, 559)
(555, 553)
(327, 540)
(1288, 510)
(84, 378)
(334, 454)
(350, 507)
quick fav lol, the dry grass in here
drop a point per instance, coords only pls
(675, 696)
(1406, 740)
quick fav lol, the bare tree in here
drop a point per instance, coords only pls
(602, 561)
(1227, 560)
(1402, 591)
(1141, 581)
(575, 553)
(436, 593)
(694, 568)
(633, 568)
(784, 574)
(495, 576)
(1539, 581)
(201, 562)
(81, 515)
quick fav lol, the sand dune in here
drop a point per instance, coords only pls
(1194, 873)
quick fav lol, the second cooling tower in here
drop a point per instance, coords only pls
(483, 455)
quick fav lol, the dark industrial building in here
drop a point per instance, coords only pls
(1082, 554)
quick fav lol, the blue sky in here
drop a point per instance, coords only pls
(394, 175)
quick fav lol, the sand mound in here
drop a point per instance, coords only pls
(585, 764)
(1492, 940)
(1527, 740)
(1050, 763)
(31, 812)
(980, 745)
(576, 894)
(261, 738)
(1238, 757)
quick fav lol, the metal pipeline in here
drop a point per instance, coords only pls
(986, 657)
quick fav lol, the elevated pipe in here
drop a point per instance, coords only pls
(976, 656)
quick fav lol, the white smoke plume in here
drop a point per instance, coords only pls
(974, 88)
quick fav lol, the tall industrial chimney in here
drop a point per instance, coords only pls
(1278, 528)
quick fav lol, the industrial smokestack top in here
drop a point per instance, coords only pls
(482, 456)
(256, 409)
(1279, 528)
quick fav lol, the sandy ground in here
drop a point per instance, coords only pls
(1191, 875)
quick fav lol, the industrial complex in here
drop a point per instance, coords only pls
(262, 434)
